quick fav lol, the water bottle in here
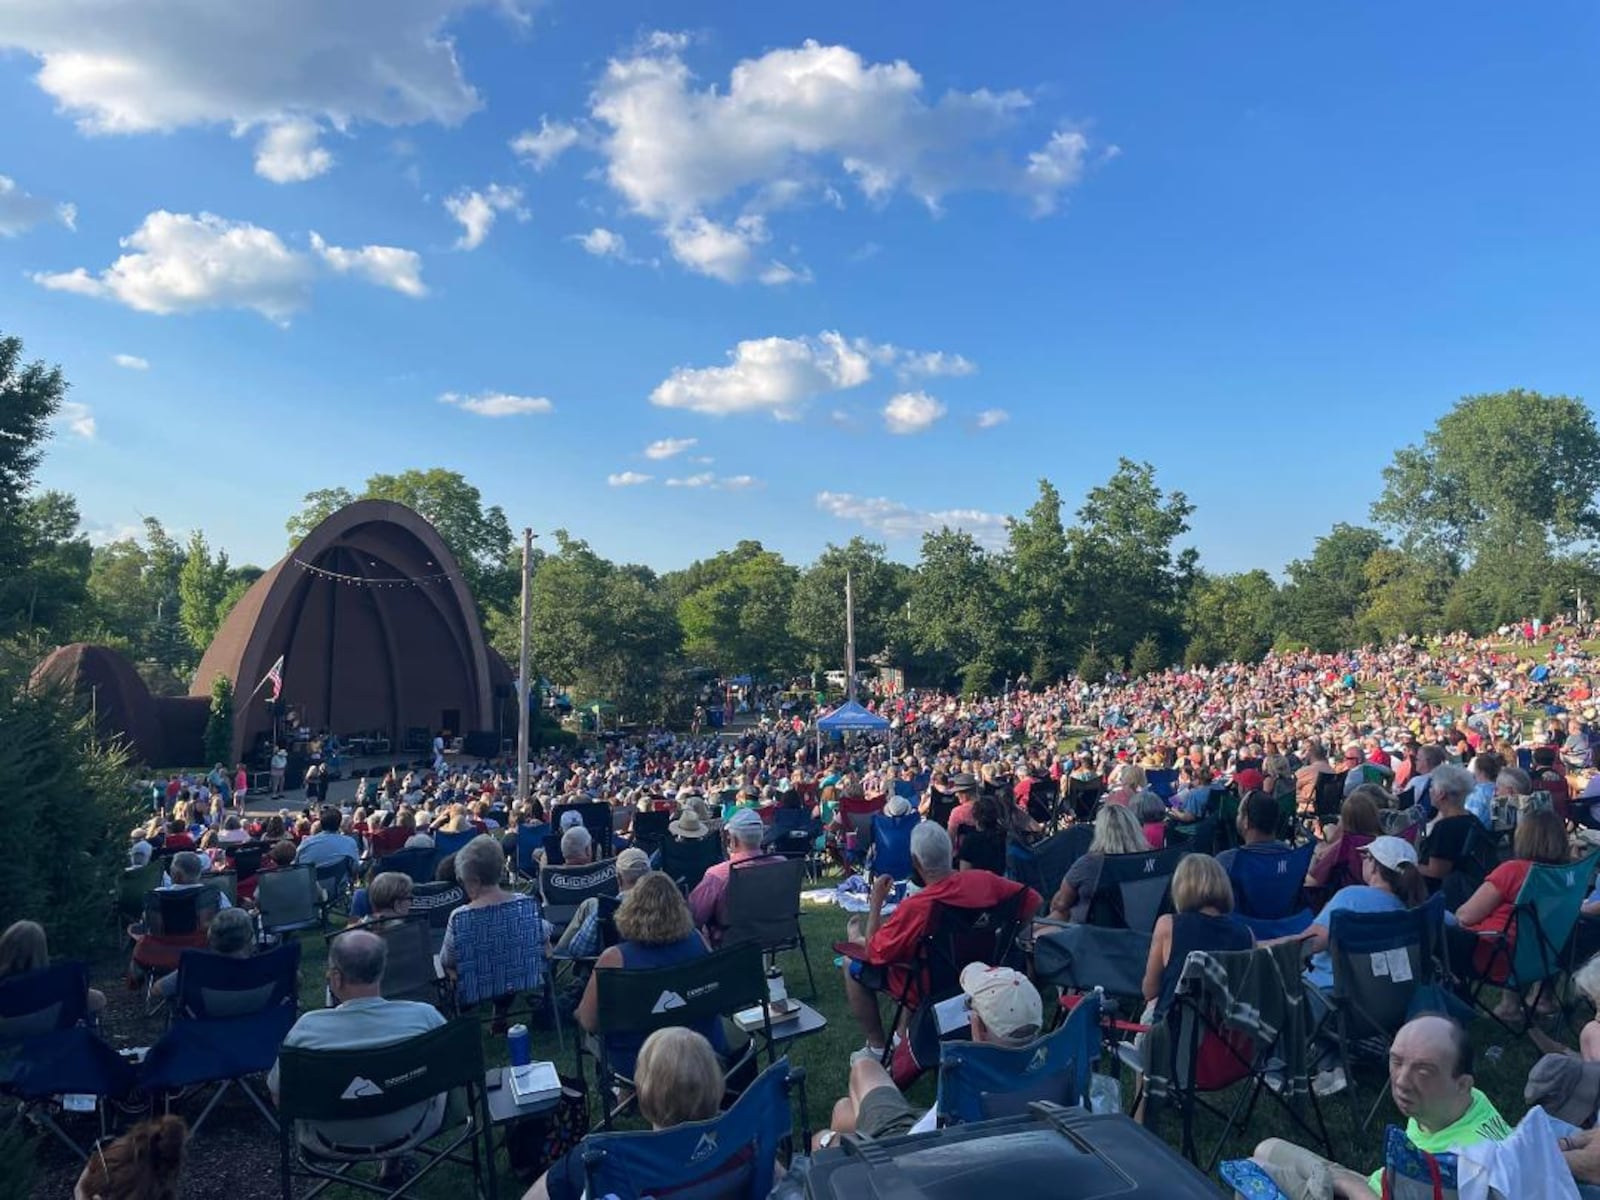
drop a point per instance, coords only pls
(520, 1045)
(777, 994)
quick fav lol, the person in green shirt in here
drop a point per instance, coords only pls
(1430, 1078)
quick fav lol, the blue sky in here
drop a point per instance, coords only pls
(1260, 246)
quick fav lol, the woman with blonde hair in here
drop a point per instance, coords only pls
(1131, 780)
(23, 948)
(1116, 831)
(1202, 919)
(656, 930)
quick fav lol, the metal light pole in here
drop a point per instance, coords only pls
(849, 638)
(523, 691)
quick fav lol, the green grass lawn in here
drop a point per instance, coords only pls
(1504, 1063)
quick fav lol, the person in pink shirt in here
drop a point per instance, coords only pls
(708, 902)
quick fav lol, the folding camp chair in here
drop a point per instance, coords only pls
(564, 888)
(891, 844)
(701, 990)
(763, 906)
(1327, 796)
(1386, 967)
(596, 817)
(500, 954)
(409, 972)
(686, 860)
(1163, 782)
(436, 901)
(175, 920)
(955, 938)
(1536, 947)
(978, 1081)
(650, 830)
(1267, 886)
(135, 885)
(287, 901)
(1045, 864)
(446, 844)
(529, 841)
(229, 1018)
(1213, 1045)
(334, 879)
(1084, 797)
(1197, 837)
(1134, 889)
(46, 1050)
(416, 862)
(377, 1082)
(245, 858)
(1343, 869)
(1044, 799)
(729, 1157)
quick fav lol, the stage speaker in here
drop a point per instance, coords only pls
(481, 743)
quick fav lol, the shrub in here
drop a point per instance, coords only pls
(69, 807)
(219, 722)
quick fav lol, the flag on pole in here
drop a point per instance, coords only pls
(274, 676)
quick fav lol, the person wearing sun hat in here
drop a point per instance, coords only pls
(1003, 1009)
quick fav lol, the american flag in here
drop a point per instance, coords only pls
(274, 677)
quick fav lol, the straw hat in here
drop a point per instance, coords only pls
(688, 825)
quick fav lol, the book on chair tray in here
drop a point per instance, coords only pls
(749, 1019)
(534, 1083)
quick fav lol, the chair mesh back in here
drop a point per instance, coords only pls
(1134, 889)
(688, 859)
(408, 972)
(287, 897)
(499, 950)
(50, 998)
(417, 863)
(1548, 906)
(216, 986)
(1363, 948)
(763, 903)
(1267, 883)
(644, 1000)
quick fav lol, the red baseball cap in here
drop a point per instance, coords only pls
(1249, 779)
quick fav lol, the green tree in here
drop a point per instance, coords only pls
(30, 396)
(608, 632)
(1092, 665)
(816, 613)
(218, 737)
(956, 624)
(1231, 618)
(734, 610)
(47, 599)
(1041, 586)
(1130, 581)
(1406, 594)
(202, 585)
(1494, 467)
(1327, 593)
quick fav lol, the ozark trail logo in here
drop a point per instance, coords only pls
(706, 1146)
(1041, 1058)
(359, 1088)
(667, 1002)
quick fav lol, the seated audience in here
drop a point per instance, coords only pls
(479, 866)
(1259, 815)
(981, 843)
(577, 845)
(330, 843)
(388, 895)
(1390, 882)
(582, 936)
(231, 934)
(678, 1080)
(1358, 820)
(1202, 919)
(23, 948)
(1444, 841)
(708, 902)
(1116, 831)
(1003, 1009)
(1151, 812)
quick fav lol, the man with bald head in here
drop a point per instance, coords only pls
(364, 1019)
(1430, 1078)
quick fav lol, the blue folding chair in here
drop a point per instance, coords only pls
(46, 1051)
(978, 1081)
(891, 844)
(1162, 781)
(530, 840)
(230, 1017)
(1267, 883)
(416, 862)
(730, 1157)
(446, 844)
(499, 952)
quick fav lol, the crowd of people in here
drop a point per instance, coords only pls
(1387, 759)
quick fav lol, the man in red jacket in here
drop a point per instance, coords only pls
(885, 949)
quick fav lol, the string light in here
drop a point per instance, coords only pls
(373, 582)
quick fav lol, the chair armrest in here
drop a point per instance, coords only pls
(854, 951)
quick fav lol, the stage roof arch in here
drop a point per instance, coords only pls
(377, 631)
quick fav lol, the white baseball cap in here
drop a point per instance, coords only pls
(1391, 851)
(1005, 1000)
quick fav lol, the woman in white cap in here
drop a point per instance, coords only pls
(1390, 882)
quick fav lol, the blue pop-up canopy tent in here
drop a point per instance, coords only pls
(850, 717)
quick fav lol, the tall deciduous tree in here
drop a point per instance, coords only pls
(957, 624)
(30, 395)
(1494, 465)
(734, 610)
(1042, 588)
(1231, 618)
(1327, 593)
(202, 585)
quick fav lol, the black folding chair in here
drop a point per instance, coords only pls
(416, 862)
(375, 1082)
(1045, 864)
(596, 818)
(564, 888)
(408, 972)
(650, 830)
(686, 860)
(641, 1001)
(1134, 889)
(763, 905)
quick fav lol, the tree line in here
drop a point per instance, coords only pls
(1490, 518)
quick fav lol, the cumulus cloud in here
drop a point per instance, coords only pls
(774, 375)
(704, 479)
(603, 243)
(777, 375)
(160, 65)
(628, 479)
(700, 159)
(288, 152)
(498, 404)
(912, 365)
(476, 211)
(179, 262)
(77, 418)
(776, 274)
(739, 483)
(20, 211)
(131, 362)
(891, 519)
(386, 266)
(990, 417)
(911, 412)
(541, 147)
(669, 447)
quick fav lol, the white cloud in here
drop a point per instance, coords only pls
(704, 479)
(911, 412)
(778, 273)
(543, 146)
(669, 447)
(160, 65)
(498, 404)
(386, 266)
(476, 211)
(288, 152)
(739, 483)
(933, 363)
(990, 417)
(77, 418)
(786, 127)
(131, 362)
(182, 263)
(775, 375)
(102, 534)
(628, 479)
(891, 519)
(603, 243)
(20, 212)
